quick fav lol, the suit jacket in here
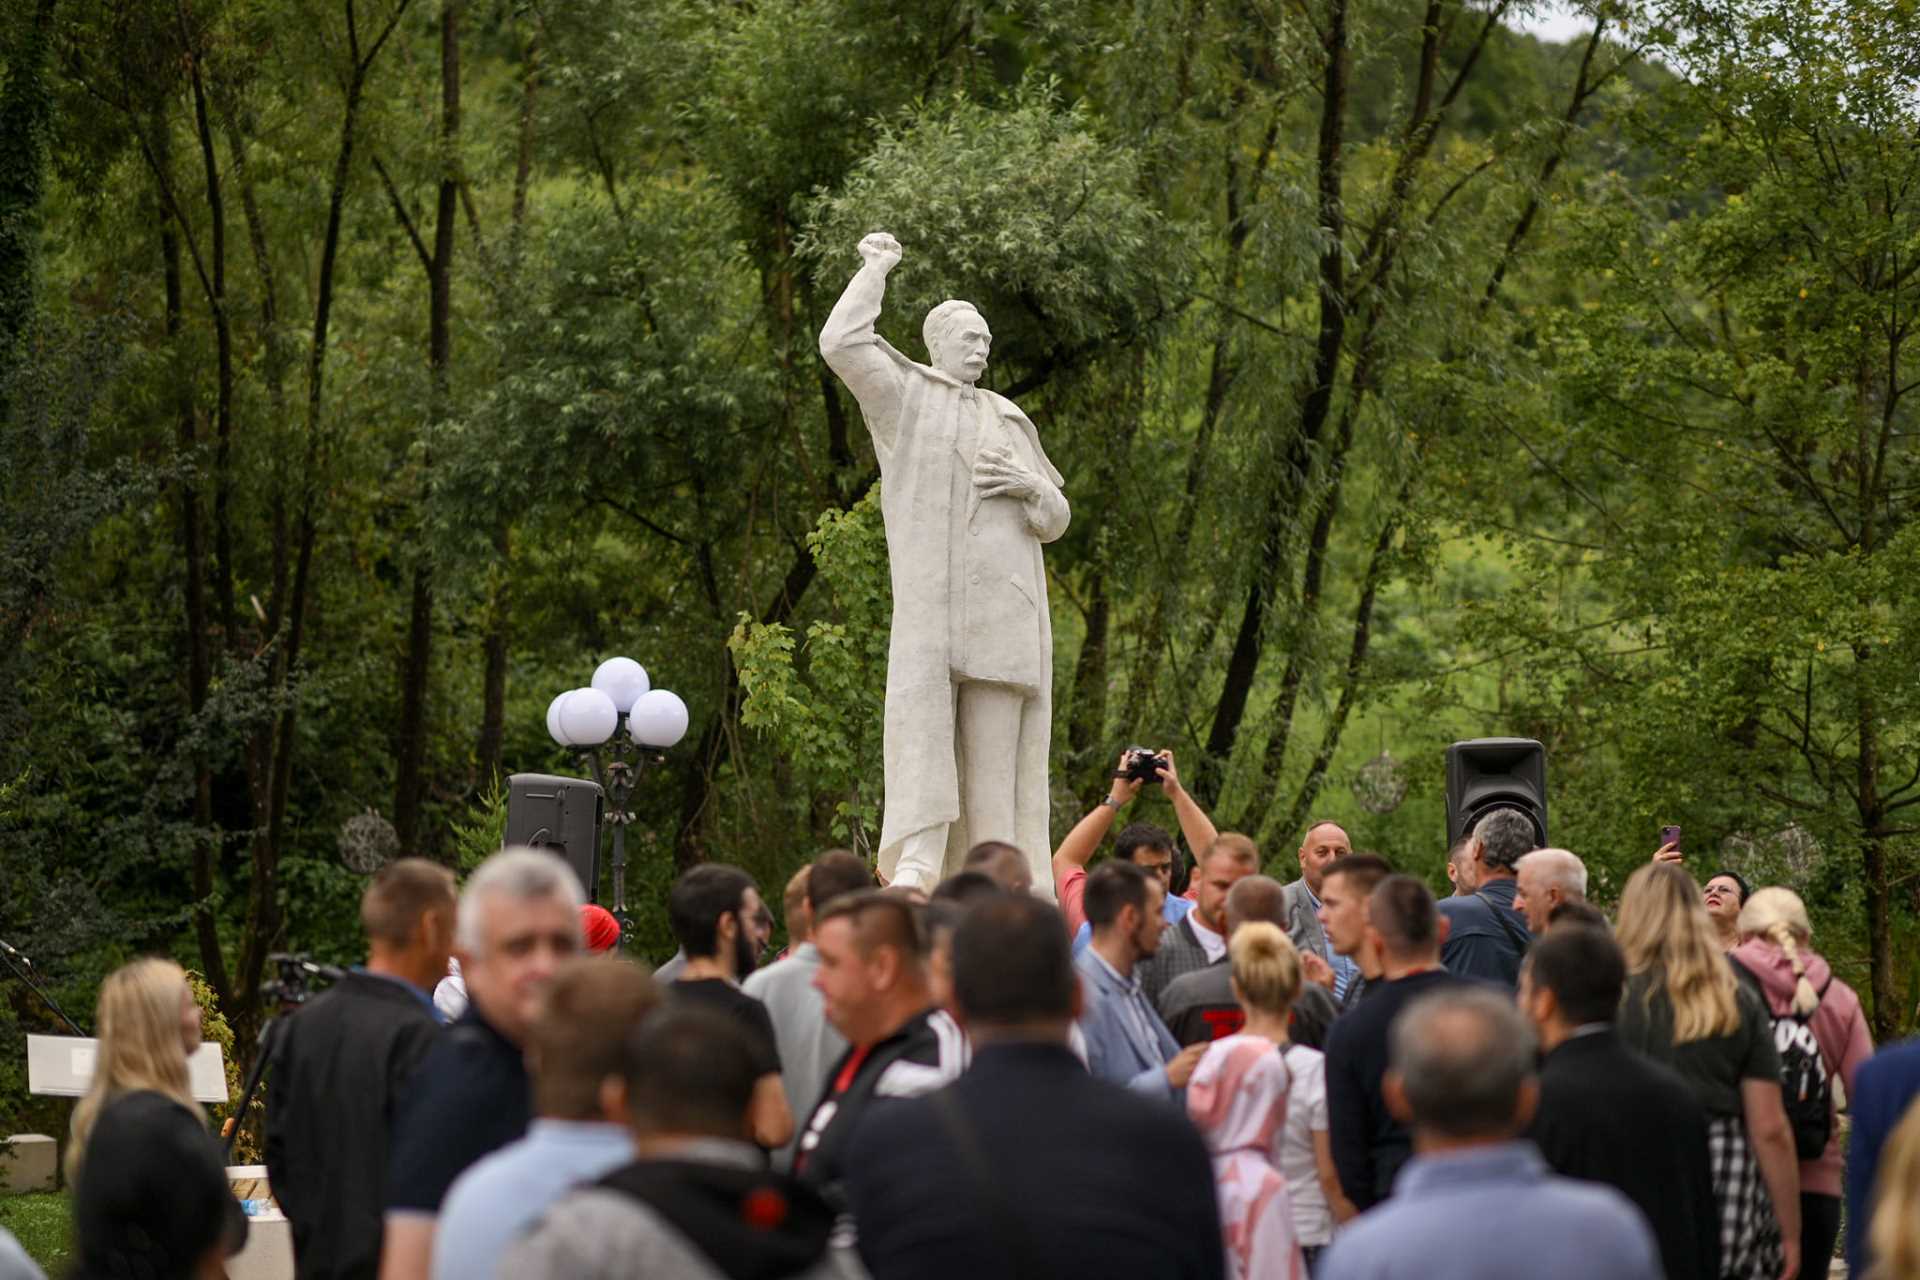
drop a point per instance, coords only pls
(1608, 1114)
(1180, 953)
(338, 1071)
(1303, 920)
(1106, 1183)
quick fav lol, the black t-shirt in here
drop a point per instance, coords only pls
(469, 1097)
(718, 993)
(152, 1197)
(1714, 1066)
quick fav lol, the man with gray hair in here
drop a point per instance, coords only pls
(519, 920)
(1546, 878)
(968, 498)
(1461, 1075)
(1487, 936)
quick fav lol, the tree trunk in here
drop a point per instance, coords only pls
(1873, 859)
(1086, 730)
(499, 613)
(216, 284)
(417, 672)
(271, 773)
(1242, 190)
(499, 607)
(1244, 661)
(193, 557)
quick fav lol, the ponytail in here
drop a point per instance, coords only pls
(1805, 999)
(1779, 916)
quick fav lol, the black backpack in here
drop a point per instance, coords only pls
(1805, 1087)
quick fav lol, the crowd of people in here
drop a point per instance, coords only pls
(1175, 1072)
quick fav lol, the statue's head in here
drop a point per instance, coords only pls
(957, 340)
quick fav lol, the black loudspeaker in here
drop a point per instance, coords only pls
(1496, 773)
(560, 814)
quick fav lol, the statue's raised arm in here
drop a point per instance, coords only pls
(860, 356)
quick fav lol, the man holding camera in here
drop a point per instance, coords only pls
(1141, 843)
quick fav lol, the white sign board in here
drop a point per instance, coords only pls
(62, 1067)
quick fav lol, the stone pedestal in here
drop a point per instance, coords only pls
(32, 1163)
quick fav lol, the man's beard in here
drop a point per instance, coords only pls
(746, 956)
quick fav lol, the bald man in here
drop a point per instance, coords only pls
(1322, 842)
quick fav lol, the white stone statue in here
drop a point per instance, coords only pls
(968, 497)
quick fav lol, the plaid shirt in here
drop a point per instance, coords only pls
(1180, 953)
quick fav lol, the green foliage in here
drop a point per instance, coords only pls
(43, 1224)
(1731, 478)
(1024, 206)
(249, 1147)
(826, 719)
(482, 832)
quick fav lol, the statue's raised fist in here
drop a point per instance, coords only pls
(881, 249)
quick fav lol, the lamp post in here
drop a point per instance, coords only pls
(620, 724)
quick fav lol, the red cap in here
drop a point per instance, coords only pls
(602, 930)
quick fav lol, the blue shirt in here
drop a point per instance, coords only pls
(499, 1197)
(1882, 1089)
(424, 997)
(1126, 1041)
(1171, 909)
(1487, 938)
(1428, 1230)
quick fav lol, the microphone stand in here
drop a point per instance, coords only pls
(20, 965)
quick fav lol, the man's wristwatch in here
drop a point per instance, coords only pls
(1112, 802)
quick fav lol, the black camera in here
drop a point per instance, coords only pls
(1144, 764)
(292, 983)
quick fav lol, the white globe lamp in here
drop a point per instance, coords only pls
(553, 720)
(621, 679)
(587, 717)
(658, 720)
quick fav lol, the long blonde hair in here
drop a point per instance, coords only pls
(1664, 928)
(1893, 1232)
(1265, 966)
(138, 1024)
(1779, 916)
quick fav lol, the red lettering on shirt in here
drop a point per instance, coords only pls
(1222, 1023)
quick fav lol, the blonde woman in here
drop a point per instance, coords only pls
(150, 1191)
(1776, 948)
(1257, 1101)
(1684, 1007)
(1893, 1233)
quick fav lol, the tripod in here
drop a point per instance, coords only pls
(262, 1058)
(288, 991)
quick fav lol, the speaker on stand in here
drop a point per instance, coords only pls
(561, 815)
(1484, 774)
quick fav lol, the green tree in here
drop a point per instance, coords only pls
(1722, 455)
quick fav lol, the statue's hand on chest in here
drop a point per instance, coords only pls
(998, 474)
